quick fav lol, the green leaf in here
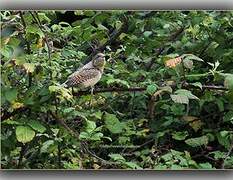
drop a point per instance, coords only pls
(84, 135)
(24, 134)
(147, 33)
(34, 30)
(117, 157)
(132, 165)
(187, 93)
(180, 135)
(205, 166)
(151, 89)
(46, 146)
(199, 141)
(197, 84)
(228, 82)
(113, 124)
(11, 94)
(188, 63)
(37, 126)
(11, 122)
(182, 99)
(191, 57)
(228, 116)
(90, 126)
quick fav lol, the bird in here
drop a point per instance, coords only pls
(87, 75)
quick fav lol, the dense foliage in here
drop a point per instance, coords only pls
(164, 101)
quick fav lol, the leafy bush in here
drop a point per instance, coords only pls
(164, 101)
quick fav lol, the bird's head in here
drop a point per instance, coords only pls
(99, 60)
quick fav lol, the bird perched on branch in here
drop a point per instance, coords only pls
(88, 75)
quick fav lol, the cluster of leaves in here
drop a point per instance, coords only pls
(164, 101)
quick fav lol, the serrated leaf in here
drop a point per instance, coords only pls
(11, 122)
(34, 30)
(113, 124)
(228, 116)
(11, 94)
(197, 84)
(196, 125)
(151, 89)
(199, 141)
(29, 67)
(180, 99)
(228, 82)
(46, 145)
(117, 157)
(147, 33)
(188, 63)
(187, 93)
(24, 134)
(90, 126)
(37, 126)
(180, 135)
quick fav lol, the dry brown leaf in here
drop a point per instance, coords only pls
(171, 63)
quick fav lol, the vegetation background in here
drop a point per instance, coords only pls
(164, 101)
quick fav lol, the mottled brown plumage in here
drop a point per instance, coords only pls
(88, 75)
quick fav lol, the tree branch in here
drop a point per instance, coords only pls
(84, 145)
(140, 89)
(37, 20)
(113, 36)
(6, 115)
(24, 30)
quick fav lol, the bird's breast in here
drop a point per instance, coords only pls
(91, 81)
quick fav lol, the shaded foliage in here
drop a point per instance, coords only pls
(164, 101)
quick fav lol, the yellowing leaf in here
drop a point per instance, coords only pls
(17, 105)
(40, 43)
(24, 134)
(171, 63)
(189, 118)
(29, 67)
(6, 40)
(196, 125)
(96, 166)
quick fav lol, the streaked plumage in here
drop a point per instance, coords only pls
(88, 75)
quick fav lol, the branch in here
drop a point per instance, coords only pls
(37, 20)
(140, 89)
(84, 145)
(113, 36)
(24, 30)
(6, 115)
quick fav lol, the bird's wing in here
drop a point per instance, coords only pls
(81, 76)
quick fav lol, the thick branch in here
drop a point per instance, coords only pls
(6, 115)
(140, 89)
